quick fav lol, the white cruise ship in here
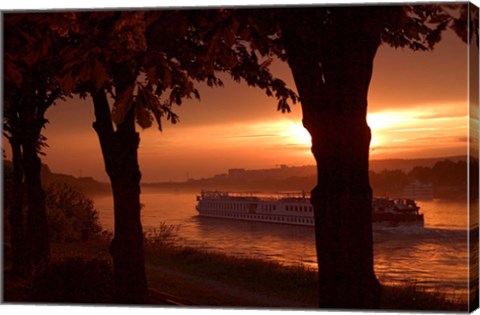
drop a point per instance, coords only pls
(293, 209)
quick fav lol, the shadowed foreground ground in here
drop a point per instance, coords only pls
(185, 276)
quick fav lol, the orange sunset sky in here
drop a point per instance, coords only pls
(418, 107)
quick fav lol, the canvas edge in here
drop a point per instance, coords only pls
(473, 156)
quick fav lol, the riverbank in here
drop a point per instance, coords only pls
(199, 278)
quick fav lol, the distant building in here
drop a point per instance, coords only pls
(418, 191)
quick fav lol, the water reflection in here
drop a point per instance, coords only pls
(434, 257)
(282, 243)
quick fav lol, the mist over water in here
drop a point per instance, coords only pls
(434, 257)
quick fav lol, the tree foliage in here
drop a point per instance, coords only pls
(167, 52)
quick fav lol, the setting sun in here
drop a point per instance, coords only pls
(299, 135)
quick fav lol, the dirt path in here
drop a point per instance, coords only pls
(200, 291)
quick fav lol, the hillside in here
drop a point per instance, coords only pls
(87, 185)
(283, 178)
(447, 175)
(408, 164)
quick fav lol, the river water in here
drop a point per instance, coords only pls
(434, 257)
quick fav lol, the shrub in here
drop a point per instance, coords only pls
(76, 279)
(71, 215)
(166, 235)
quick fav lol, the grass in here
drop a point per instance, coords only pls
(411, 297)
(295, 284)
(214, 279)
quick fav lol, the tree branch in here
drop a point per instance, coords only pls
(103, 121)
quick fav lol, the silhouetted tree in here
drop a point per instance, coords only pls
(331, 51)
(30, 89)
(147, 62)
(449, 173)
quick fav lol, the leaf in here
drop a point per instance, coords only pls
(229, 37)
(151, 103)
(152, 76)
(12, 73)
(227, 57)
(67, 83)
(144, 118)
(266, 63)
(196, 93)
(167, 77)
(122, 105)
(86, 72)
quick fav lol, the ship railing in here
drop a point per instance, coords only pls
(259, 195)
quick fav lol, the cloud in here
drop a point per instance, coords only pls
(446, 115)
(253, 136)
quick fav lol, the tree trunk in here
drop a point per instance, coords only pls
(119, 150)
(24, 121)
(17, 220)
(332, 73)
(37, 225)
(30, 240)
